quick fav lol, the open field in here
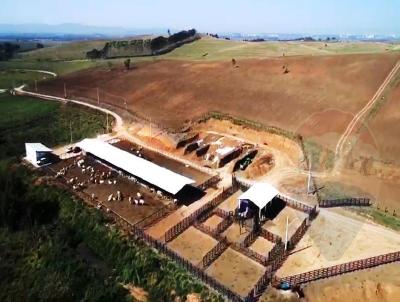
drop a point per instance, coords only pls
(236, 271)
(333, 239)
(225, 50)
(315, 88)
(33, 120)
(219, 49)
(66, 51)
(16, 78)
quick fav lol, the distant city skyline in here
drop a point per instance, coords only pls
(252, 16)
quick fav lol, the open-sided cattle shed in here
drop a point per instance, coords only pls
(151, 173)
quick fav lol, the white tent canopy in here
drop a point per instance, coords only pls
(144, 169)
(260, 194)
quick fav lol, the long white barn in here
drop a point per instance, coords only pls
(158, 176)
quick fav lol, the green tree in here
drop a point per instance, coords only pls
(127, 64)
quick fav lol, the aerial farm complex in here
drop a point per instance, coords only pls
(240, 209)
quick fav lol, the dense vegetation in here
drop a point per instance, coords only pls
(143, 46)
(33, 120)
(42, 231)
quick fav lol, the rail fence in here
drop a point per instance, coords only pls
(224, 224)
(207, 229)
(250, 238)
(261, 285)
(340, 269)
(197, 272)
(209, 182)
(214, 253)
(312, 211)
(270, 236)
(177, 229)
(327, 203)
(156, 216)
(139, 234)
(241, 248)
(277, 251)
(296, 237)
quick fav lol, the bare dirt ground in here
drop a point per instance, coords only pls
(277, 226)
(133, 213)
(231, 203)
(235, 233)
(165, 162)
(236, 271)
(379, 284)
(174, 91)
(193, 244)
(262, 246)
(213, 221)
(333, 239)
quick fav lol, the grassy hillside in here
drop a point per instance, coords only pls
(64, 51)
(216, 50)
(14, 78)
(213, 49)
(33, 120)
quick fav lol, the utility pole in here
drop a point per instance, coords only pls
(65, 91)
(98, 96)
(309, 176)
(286, 233)
(151, 136)
(70, 131)
(36, 85)
(107, 122)
(126, 105)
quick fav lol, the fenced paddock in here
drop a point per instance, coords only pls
(340, 269)
(193, 245)
(342, 202)
(206, 208)
(236, 271)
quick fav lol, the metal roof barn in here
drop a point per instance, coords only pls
(35, 152)
(158, 176)
(260, 194)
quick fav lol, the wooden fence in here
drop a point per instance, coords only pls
(296, 237)
(261, 285)
(156, 216)
(197, 272)
(340, 269)
(180, 227)
(209, 182)
(345, 202)
(270, 236)
(295, 204)
(214, 253)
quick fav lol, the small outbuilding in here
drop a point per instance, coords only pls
(258, 196)
(38, 154)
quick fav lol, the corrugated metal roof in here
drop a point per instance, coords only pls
(142, 168)
(260, 194)
(38, 147)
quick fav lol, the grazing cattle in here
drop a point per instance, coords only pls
(110, 197)
(141, 202)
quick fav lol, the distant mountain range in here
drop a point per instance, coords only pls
(75, 29)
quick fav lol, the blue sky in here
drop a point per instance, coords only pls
(262, 16)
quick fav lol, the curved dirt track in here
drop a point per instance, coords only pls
(364, 110)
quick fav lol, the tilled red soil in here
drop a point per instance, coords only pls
(174, 91)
